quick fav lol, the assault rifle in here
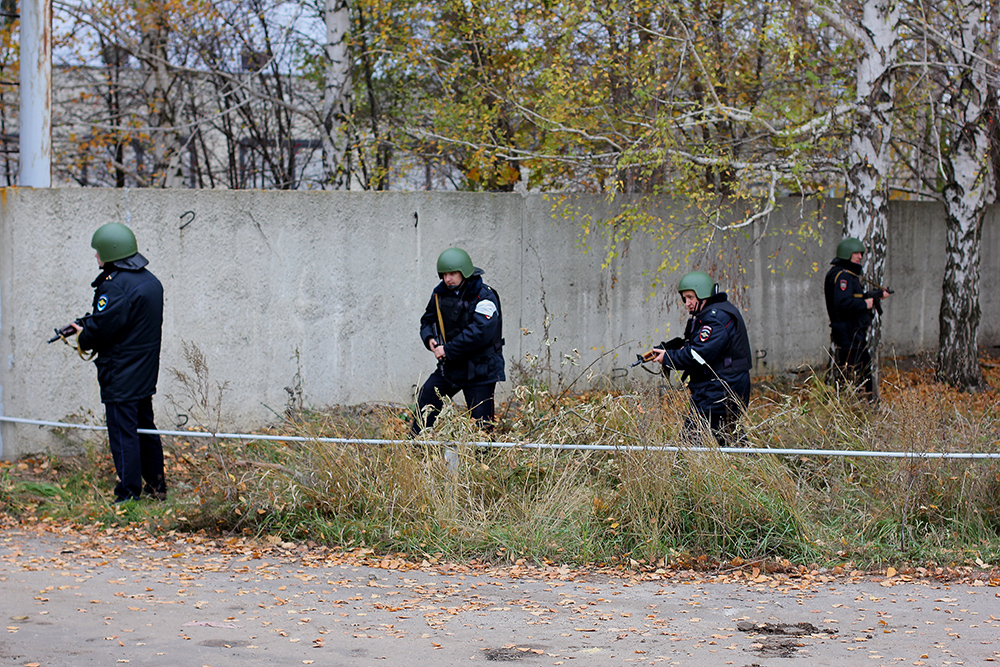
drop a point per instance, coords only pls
(68, 330)
(672, 344)
(876, 295)
(439, 337)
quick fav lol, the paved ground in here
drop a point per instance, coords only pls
(103, 599)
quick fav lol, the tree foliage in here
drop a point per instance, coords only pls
(720, 106)
(718, 100)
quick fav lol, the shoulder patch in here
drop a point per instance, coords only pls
(486, 308)
(704, 333)
(102, 302)
(842, 285)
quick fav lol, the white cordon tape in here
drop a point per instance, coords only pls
(536, 445)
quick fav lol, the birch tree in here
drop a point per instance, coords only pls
(337, 94)
(155, 27)
(868, 162)
(969, 188)
(955, 45)
(869, 156)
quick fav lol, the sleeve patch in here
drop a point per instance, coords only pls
(704, 334)
(102, 302)
(842, 285)
(486, 308)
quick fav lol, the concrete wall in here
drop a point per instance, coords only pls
(321, 293)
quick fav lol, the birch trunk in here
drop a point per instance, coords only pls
(866, 205)
(969, 188)
(164, 139)
(337, 95)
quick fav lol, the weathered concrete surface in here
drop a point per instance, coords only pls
(318, 294)
(70, 599)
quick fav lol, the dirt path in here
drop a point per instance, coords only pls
(106, 598)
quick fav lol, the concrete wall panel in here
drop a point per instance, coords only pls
(321, 293)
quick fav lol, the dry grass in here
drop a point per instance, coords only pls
(646, 507)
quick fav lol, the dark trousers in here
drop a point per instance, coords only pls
(723, 423)
(479, 399)
(137, 456)
(854, 366)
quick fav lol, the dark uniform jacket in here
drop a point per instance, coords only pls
(125, 329)
(850, 316)
(473, 331)
(716, 356)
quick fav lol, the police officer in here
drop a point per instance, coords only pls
(462, 326)
(715, 355)
(124, 331)
(850, 310)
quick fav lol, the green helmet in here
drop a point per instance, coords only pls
(698, 282)
(455, 259)
(114, 241)
(848, 247)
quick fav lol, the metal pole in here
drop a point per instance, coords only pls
(36, 94)
(452, 458)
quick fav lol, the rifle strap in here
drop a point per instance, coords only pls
(864, 279)
(90, 355)
(437, 304)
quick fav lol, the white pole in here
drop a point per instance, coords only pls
(452, 458)
(36, 94)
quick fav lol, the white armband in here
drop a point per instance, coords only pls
(486, 308)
